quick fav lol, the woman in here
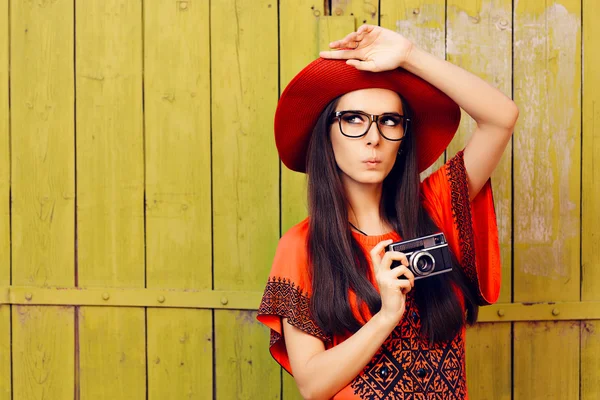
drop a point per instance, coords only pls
(342, 322)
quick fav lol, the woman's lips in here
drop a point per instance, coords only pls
(373, 162)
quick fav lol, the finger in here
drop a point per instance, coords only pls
(339, 54)
(403, 271)
(390, 256)
(404, 287)
(377, 250)
(350, 38)
(362, 65)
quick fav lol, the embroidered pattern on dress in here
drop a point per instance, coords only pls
(407, 367)
(282, 297)
(461, 210)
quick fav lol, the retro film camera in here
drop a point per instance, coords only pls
(427, 255)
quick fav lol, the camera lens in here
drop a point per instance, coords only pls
(423, 263)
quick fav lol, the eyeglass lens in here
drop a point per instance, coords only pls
(356, 124)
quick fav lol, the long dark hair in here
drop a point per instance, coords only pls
(338, 263)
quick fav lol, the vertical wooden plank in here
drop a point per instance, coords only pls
(297, 18)
(546, 362)
(5, 326)
(245, 187)
(42, 171)
(590, 215)
(547, 81)
(110, 188)
(479, 39)
(363, 11)
(489, 361)
(425, 25)
(178, 202)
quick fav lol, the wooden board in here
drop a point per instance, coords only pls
(298, 19)
(424, 25)
(488, 347)
(42, 179)
(479, 39)
(590, 220)
(5, 323)
(110, 194)
(178, 202)
(546, 364)
(363, 12)
(301, 19)
(547, 46)
(245, 169)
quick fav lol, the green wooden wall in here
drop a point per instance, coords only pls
(141, 196)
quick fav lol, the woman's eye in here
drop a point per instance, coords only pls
(390, 121)
(354, 118)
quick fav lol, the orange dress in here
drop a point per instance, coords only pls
(406, 366)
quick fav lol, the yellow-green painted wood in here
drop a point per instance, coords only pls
(333, 28)
(488, 361)
(363, 12)
(5, 323)
(112, 353)
(301, 20)
(547, 65)
(178, 203)
(244, 59)
(42, 186)
(547, 145)
(43, 352)
(546, 362)
(424, 25)
(590, 236)
(479, 40)
(244, 368)
(110, 194)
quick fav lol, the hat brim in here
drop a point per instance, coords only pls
(435, 116)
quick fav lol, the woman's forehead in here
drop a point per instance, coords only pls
(372, 100)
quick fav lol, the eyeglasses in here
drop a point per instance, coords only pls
(355, 124)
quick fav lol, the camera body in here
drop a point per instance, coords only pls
(427, 255)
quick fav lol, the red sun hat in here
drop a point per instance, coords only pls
(434, 120)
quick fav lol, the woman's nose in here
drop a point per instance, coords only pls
(372, 135)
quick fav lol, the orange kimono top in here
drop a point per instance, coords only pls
(406, 366)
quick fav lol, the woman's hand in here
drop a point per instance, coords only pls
(372, 48)
(392, 289)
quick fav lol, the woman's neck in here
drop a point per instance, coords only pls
(364, 210)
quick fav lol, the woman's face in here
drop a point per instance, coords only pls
(367, 159)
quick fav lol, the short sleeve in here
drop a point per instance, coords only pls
(287, 293)
(469, 226)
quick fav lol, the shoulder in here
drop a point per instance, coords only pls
(291, 257)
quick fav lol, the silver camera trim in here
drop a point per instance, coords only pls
(416, 256)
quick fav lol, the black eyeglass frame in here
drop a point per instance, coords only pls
(373, 118)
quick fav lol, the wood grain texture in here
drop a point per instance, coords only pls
(361, 11)
(489, 361)
(110, 192)
(547, 79)
(245, 169)
(298, 19)
(590, 192)
(479, 40)
(178, 202)
(245, 368)
(5, 322)
(423, 24)
(42, 179)
(546, 362)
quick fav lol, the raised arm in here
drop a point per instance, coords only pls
(379, 49)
